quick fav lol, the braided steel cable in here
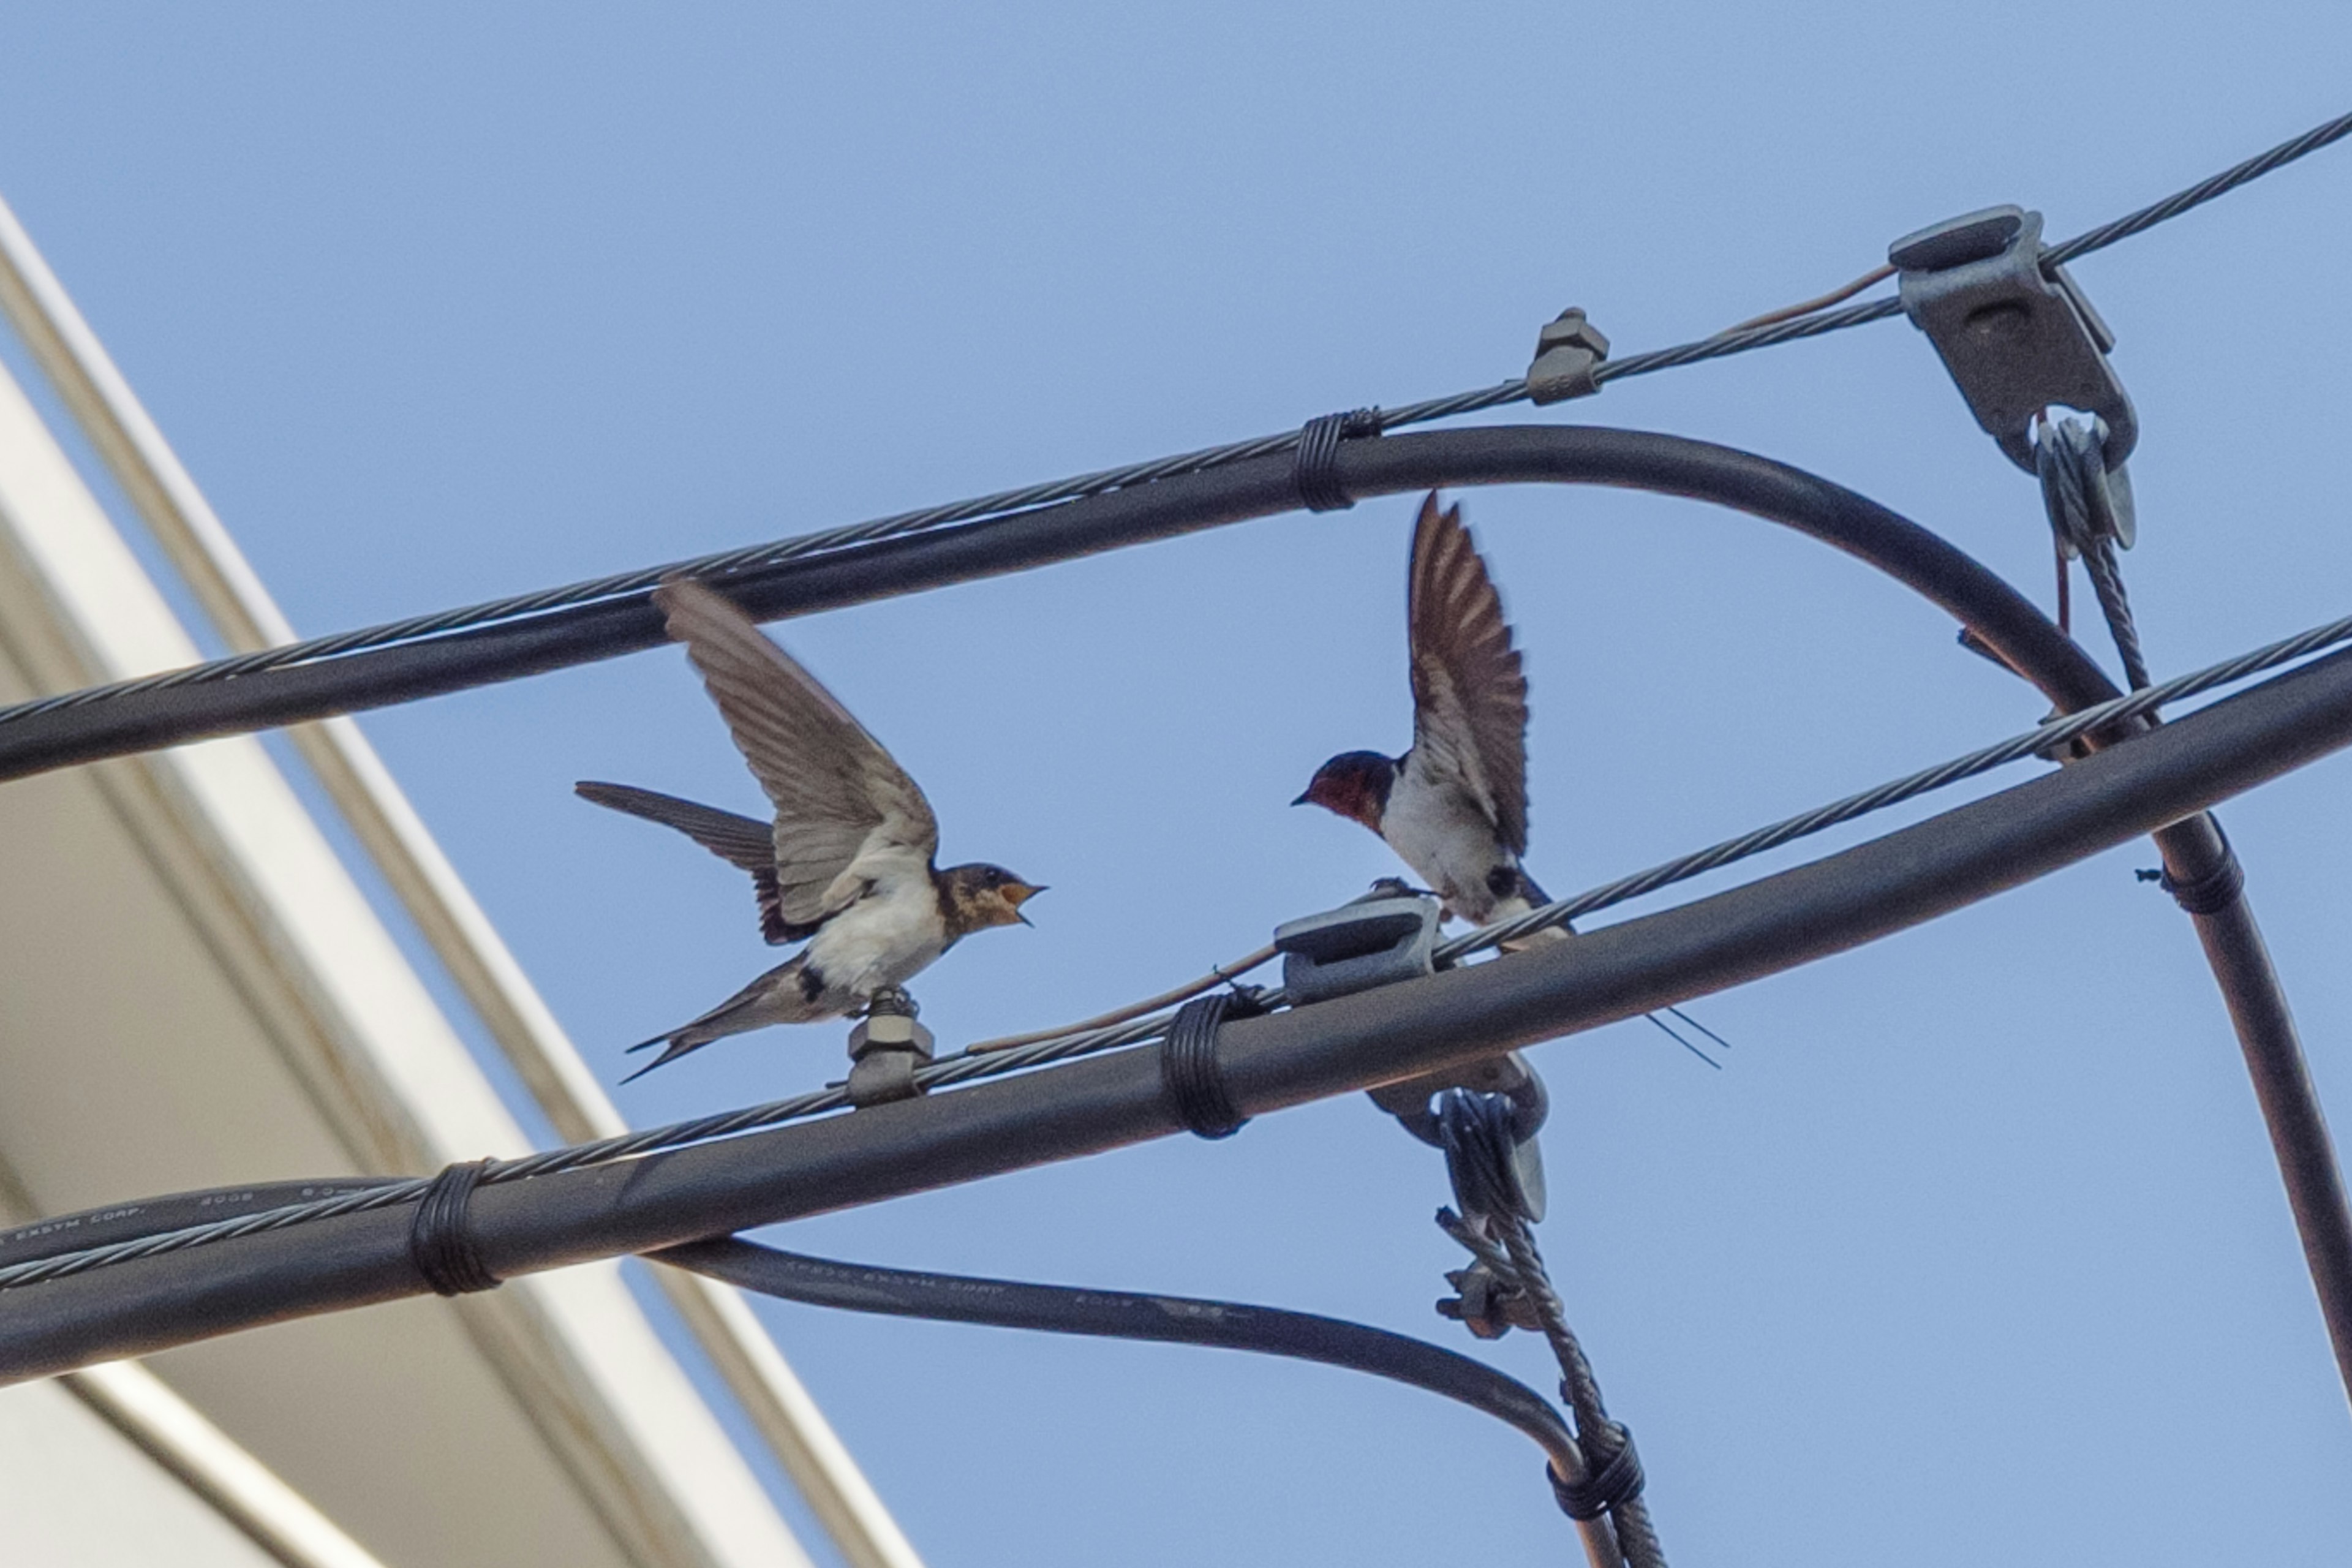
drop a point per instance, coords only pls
(967, 1067)
(2047, 738)
(800, 547)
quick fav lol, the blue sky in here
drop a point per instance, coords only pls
(1974, 1251)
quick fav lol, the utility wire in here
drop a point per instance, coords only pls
(1768, 332)
(964, 1068)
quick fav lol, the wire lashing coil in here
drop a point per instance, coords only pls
(1314, 463)
(1613, 1484)
(1189, 1077)
(442, 1244)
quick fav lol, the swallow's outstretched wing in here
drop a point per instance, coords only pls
(846, 814)
(1469, 694)
(741, 841)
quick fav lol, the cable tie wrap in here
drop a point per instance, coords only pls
(1616, 1483)
(1313, 465)
(1190, 1077)
(440, 1243)
(2214, 892)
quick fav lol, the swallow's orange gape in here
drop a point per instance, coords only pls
(849, 865)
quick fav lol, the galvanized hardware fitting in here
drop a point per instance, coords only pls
(2087, 500)
(2017, 335)
(1486, 1305)
(1376, 941)
(885, 1049)
(1508, 1075)
(1569, 351)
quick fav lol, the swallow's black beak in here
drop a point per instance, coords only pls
(1306, 799)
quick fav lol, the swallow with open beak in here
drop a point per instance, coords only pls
(1454, 807)
(849, 865)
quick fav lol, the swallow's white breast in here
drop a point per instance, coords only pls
(1444, 839)
(886, 938)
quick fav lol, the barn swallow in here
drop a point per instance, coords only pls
(1454, 807)
(849, 865)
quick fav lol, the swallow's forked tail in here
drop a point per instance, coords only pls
(1535, 897)
(775, 997)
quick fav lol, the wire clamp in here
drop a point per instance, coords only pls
(1191, 1080)
(1486, 1304)
(1315, 461)
(1568, 353)
(2210, 894)
(2016, 334)
(1617, 1481)
(885, 1050)
(441, 1243)
(1378, 940)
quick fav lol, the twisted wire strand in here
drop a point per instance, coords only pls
(2203, 190)
(967, 1067)
(1102, 481)
(1508, 1249)
(2107, 583)
(2044, 739)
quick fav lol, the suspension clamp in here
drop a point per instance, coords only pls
(1569, 351)
(2016, 332)
(1378, 940)
(885, 1049)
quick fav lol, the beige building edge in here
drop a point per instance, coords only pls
(197, 994)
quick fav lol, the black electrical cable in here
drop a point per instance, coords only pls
(1264, 486)
(1999, 618)
(1312, 470)
(1114, 1314)
(1286, 1058)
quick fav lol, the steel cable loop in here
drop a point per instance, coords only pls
(963, 1068)
(755, 557)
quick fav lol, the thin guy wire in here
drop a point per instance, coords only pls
(2047, 737)
(1510, 1254)
(1600, 1437)
(760, 556)
(2107, 581)
(964, 1068)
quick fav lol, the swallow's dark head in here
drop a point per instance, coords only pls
(979, 896)
(1355, 785)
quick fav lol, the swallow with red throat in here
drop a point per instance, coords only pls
(849, 865)
(1454, 807)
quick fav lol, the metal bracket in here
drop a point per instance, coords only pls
(1568, 352)
(1376, 941)
(885, 1049)
(2017, 334)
